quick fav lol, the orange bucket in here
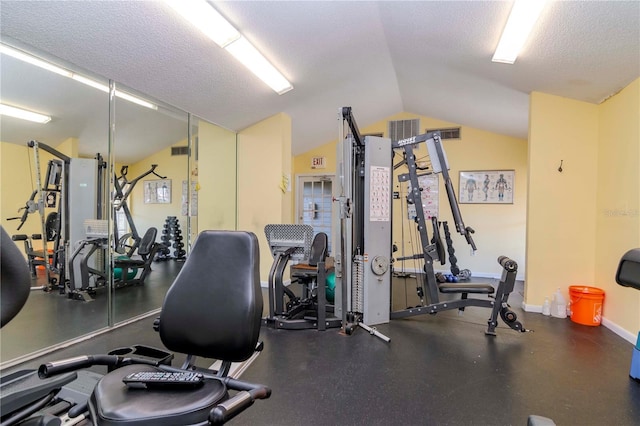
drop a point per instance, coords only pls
(586, 304)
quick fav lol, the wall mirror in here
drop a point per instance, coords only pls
(152, 155)
(151, 151)
(75, 124)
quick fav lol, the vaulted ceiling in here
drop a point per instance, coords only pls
(431, 58)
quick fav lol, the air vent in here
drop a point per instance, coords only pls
(402, 129)
(179, 150)
(449, 133)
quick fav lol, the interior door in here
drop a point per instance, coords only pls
(314, 202)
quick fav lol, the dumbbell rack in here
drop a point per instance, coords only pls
(172, 239)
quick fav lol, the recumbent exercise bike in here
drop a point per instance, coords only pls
(222, 271)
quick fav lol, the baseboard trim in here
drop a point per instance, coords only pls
(625, 334)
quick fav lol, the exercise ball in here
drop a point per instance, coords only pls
(117, 272)
(330, 291)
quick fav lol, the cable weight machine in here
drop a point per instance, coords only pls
(363, 234)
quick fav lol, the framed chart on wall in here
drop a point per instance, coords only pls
(157, 191)
(486, 187)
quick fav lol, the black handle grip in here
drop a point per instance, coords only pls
(56, 367)
(227, 410)
(469, 238)
(51, 368)
(508, 264)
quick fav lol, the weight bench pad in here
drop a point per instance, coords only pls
(466, 288)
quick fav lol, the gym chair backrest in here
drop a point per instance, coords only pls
(319, 248)
(213, 308)
(15, 283)
(628, 273)
(147, 242)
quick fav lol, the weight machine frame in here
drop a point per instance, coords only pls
(351, 216)
(123, 188)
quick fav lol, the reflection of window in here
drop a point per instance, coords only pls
(121, 222)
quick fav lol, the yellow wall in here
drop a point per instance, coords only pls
(562, 205)
(500, 229)
(582, 220)
(264, 155)
(618, 202)
(216, 177)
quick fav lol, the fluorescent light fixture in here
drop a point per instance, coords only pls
(33, 60)
(135, 100)
(92, 83)
(4, 49)
(249, 56)
(23, 114)
(119, 94)
(208, 20)
(524, 15)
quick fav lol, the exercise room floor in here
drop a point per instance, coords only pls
(437, 370)
(52, 318)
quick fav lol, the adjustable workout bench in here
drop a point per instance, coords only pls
(294, 242)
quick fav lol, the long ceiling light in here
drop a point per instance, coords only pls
(23, 114)
(4, 49)
(208, 20)
(524, 15)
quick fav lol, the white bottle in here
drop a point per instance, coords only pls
(546, 307)
(560, 308)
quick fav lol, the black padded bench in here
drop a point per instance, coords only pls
(449, 288)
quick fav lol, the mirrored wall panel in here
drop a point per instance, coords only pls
(151, 174)
(104, 219)
(54, 140)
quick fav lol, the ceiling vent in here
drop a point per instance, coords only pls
(179, 150)
(449, 133)
(402, 129)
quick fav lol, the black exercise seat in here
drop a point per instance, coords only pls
(213, 309)
(466, 288)
(308, 269)
(23, 390)
(35, 257)
(147, 250)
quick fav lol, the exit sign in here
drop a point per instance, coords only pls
(318, 162)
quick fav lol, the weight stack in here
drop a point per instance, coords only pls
(173, 240)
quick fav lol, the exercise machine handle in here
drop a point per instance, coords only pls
(508, 264)
(70, 364)
(467, 235)
(230, 408)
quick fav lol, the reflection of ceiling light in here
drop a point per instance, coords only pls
(33, 60)
(84, 80)
(24, 114)
(215, 26)
(524, 15)
(119, 94)
(77, 77)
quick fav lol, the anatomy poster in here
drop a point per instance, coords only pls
(486, 187)
(429, 193)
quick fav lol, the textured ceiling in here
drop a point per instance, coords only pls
(430, 58)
